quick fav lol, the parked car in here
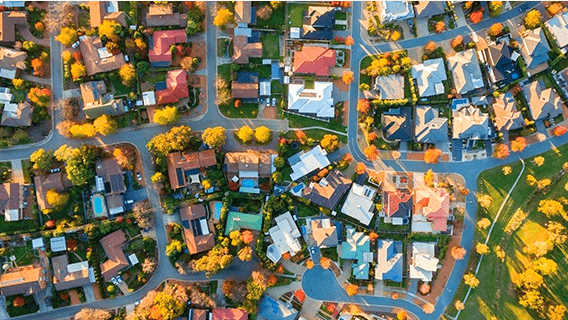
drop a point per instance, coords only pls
(138, 176)
(274, 102)
(114, 281)
(268, 102)
(55, 170)
(131, 201)
(137, 303)
(119, 278)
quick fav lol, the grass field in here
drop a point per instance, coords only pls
(247, 110)
(498, 298)
(296, 13)
(297, 121)
(271, 46)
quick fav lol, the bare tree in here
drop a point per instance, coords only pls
(59, 14)
(148, 266)
(143, 213)
(92, 314)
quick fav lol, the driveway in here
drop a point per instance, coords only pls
(89, 293)
(540, 127)
(457, 149)
(17, 171)
(422, 27)
(3, 313)
(133, 194)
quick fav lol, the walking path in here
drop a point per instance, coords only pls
(17, 171)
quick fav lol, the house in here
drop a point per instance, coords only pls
(429, 77)
(534, 48)
(9, 20)
(320, 23)
(188, 164)
(110, 181)
(245, 169)
(198, 314)
(502, 62)
(316, 102)
(17, 114)
(160, 54)
(507, 116)
(229, 314)
(423, 262)
(11, 201)
(112, 245)
(314, 60)
(470, 123)
(271, 309)
(543, 102)
(57, 181)
(431, 210)
(246, 45)
(428, 126)
(323, 232)
(391, 11)
(243, 13)
(357, 247)
(175, 87)
(11, 62)
(105, 10)
(58, 244)
(97, 101)
(389, 260)
(25, 280)
(244, 91)
(327, 192)
(196, 229)
(558, 27)
(389, 87)
(397, 206)
(239, 221)
(285, 236)
(397, 124)
(162, 15)
(67, 276)
(97, 58)
(359, 203)
(428, 9)
(306, 162)
(466, 73)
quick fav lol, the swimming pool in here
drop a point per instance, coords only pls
(217, 210)
(248, 183)
(99, 209)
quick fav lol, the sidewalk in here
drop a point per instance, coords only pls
(293, 267)
(277, 292)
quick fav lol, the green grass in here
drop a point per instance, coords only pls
(296, 12)
(29, 307)
(330, 253)
(341, 15)
(224, 71)
(222, 46)
(271, 46)
(20, 225)
(153, 78)
(307, 210)
(247, 110)
(297, 121)
(119, 88)
(498, 298)
(275, 21)
(19, 95)
(26, 167)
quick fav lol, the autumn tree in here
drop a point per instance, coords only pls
(223, 17)
(174, 248)
(216, 260)
(67, 36)
(531, 299)
(263, 135)
(484, 223)
(501, 151)
(557, 234)
(507, 170)
(105, 125)
(309, 264)
(19, 301)
(352, 289)
(42, 160)
(519, 144)
(401, 315)
(538, 248)
(245, 254)
(110, 29)
(371, 152)
(559, 131)
(544, 266)
(555, 312)
(539, 161)
(432, 155)
(125, 158)
(552, 208)
(149, 265)
(92, 314)
(495, 29)
(325, 262)
(529, 280)
(470, 280)
(361, 168)
(40, 96)
(533, 19)
(349, 41)
(428, 308)
(481, 248)
(301, 136)
(127, 74)
(363, 106)
(458, 252)
(440, 26)
(330, 143)
(38, 66)
(214, 137)
(424, 288)
(476, 16)
(234, 290)
(166, 115)
(347, 77)
(245, 134)
(458, 41)
(485, 201)
(143, 214)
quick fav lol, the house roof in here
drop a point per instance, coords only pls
(229, 314)
(97, 59)
(389, 260)
(111, 172)
(390, 87)
(67, 276)
(357, 246)
(244, 90)
(534, 47)
(112, 245)
(434, 204)
(161, 43)
(321, 20)
(198, 237)
(197, 314)
(542, 101)
(395, 10)
(397, 123)
(397, 203)
(271, 309)
(285, 236)
(466, 73)
(118, 17)
(429, 76)
(17, 114)
(328, 191)
(180, 164)
(500, 57)
(164, 15)
(314, 60)
(240, 220)
(97, 12)
(427, 9)
(8, 22)
(256, 161)
(243, 12)
(306, 162)
(359, 203)
(429, 128)
(470, 123)
(317, 101)
(176, 87)
(11, 60)
(10, 196)
(243, 49)
(57, 181)
(558, 27)
(507, 116)
(24, 280)
(423, 262)
(324, 232)
(97, 101)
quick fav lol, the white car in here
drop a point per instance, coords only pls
(274, 102)
(268, 102)
(114, 281)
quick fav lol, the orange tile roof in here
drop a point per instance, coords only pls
(195, 242)
(25, 280)
(229, 314)
(188, 161)
(316, 60)
(176, 87)
(162, 41)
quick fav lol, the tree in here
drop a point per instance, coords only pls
(371, 152)
(347, 77)
(476, 16)
(55, 199)
(544, 266)
(38, 66)
(166, 116)
(277, 177)
(325, 262)
(309, 264)
(459, 305)
(223, 17)
(440, 26)
(247, 236)
(538, 248)
(245, 254)
(125, 158)
(507, 170)
(349, 41)
(501, 151)
(330, 143)
(556, 312)
(236, 239)
(531, 180)
(430, 47)
(174, 248)
(42, 159)
(557, 234)
(483, 223)
(263, 135)
(539, 161)
(236, 291)
(67, 36)
(395, 35)
(458, 252)
(110, 29)
(363, 106)
(458, 41)
(424, 288)
(558, 131)
(360, 168)
(245, 134)
(432, 155)
(401, 315)
(541, 184)
(216, 259)
(484, 201)
(82, 131)
(529, 280)
(105, 125)
(352, 289)
(264, 12)
(19, 84)
(481, 248)
(532, 299)
(470, 280)
(551, 208)
(127, 74)
(519, 144)
(40, 97)
(279, 162)
(19, 301)
(143, 214)
(495, 29)
(428, 308)
(92, 314)
(214, 137)
(532, 20)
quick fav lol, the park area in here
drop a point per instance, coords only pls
(520, 225)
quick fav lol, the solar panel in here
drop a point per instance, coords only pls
(185, 224)
(180, 177)
(196, 226)
(117, 182)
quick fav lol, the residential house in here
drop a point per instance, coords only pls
(357, 247)
(105, 10)
(246, 168)
(97, 58)
(397, 206)
(429, 77)
(316, 102)
(534, 48)
(67, 276)
(162, 15)
(239, 220)
(470, 123)
(507, 116)
(328, 191)
(428, 126)
(229, 314)
(247, 92)
(306, 162)
(57, 181)
(9, 20)
(389, 260)
(243, 13)
(26, 280)
(502, 62)
(97, 101)
(58, 244)
(314, 60)
(285, 236)
(431, 210)
(175, 87)
(160, 54)
(558, 27)
(390, 87)
(17, 114)
(428, 9)
(466, 73)
(11, 62)
(246, 45)
(543, 102)
(182, 166)
(112, 245)
(271, 309)
(391, 11)
(11, 201)
(359, 203)
(110, 181)
(320, 23)
(198, 314)
(423, 262)
(323, 232)
(397, 124)
(196, 229)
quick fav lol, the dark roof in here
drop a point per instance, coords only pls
(504, 68)
(397, 123)
(329, 190)
(321, 27)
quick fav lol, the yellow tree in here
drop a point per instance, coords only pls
(483, 223)
(330, 143)
(481, 248)
(55, 199)
(263, 135)
(371, 152)
(496, 29)
(352, 289)
(157, 177)
(539, 161)
(78, 70)
(347, 77)
(166, 115)
(325, 262)
(214, 137)
(105, 125)
(82, 131)
(223, 17)
(432, 155)
(551, 208)
(67, 36)
(360, 168)
(245, 134)
(110, 29)
(484, 201)
(532, 20)
(127, 74)
(470, 280)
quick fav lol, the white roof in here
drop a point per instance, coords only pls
(312, 160)
(11, 110)
(6, 97)
(395, 10)
(317, 101)
(149, 98)
(359, 203)
(74, 267)
(558, 27)
(8, 73)
(248, 174)
(133, 259)
(285, 235)
(37, 243)
(58, 244)
(13, 4)
(92, 278)
(116, 210)
(429, 76)
(264, 87)
(12, 215)
(294, 33)
(194, 178)
(423, 263)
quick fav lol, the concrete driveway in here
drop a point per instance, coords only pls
(89, 293)
(133, 194)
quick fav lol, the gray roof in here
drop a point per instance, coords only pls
(427, 9)
(329, 190)
(429, 76)
(507, 116)
(465, 70)
(542, 102)
(397, 123)
(534, 48)
(390, 87)
(429, 128)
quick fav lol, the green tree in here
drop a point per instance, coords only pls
(277, 177)
(279, 162)
(42, 159)
(216, 260)
(105, 125)
(179, 137)
(214, 137)
(166, 116)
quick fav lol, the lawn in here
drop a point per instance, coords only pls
(20, 226)
(247, 110)
(307, 210)
(153, 78)
(275, 21)
(297, 121)
(26, 167)
(296, 12)
(498, 298)
(225, 71)
(222, 47)
(271, 46)
(119, 88)
(29, 306)
(5, 169)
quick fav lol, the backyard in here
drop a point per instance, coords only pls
(271, 46)
(296, 13)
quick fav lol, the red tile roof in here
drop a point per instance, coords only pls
(395, 199)
(315, 60)
(229, 314)
(176, 83)
(162, 41)
(188, 161)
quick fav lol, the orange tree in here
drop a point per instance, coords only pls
(519, 144)
(352, 289)
(501, 151)
(432, 155)
(371, 152)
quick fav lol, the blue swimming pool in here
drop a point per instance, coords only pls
(217, 210)
(98, 205)
(248, 183)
